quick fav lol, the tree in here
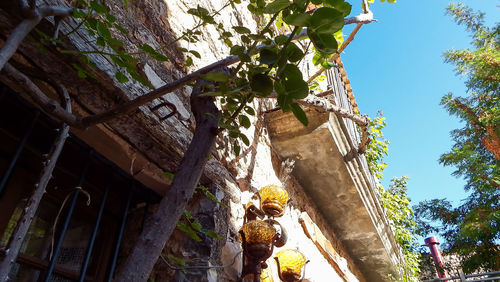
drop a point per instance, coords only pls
(404, 225)
(472, 230)
(267, 67)
(395, 201)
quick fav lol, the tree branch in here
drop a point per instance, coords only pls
(49, 105)
(324, 105)
(25, 27)
(157, 93)
(17, 237)
(365, 18)
(340, 50)
(52, 107)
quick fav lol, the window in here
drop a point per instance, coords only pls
(102, 181)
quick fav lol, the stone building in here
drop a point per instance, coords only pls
(333, 218)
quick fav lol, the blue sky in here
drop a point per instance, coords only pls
(396, 66)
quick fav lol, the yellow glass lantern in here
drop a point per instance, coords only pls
(273, 199)
(266, 275)
(258, 238)
(290, 263)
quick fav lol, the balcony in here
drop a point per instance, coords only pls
(340, 185)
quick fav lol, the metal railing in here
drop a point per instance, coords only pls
(340, 98)
(485, 276)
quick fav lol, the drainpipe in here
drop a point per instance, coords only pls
(432, 243)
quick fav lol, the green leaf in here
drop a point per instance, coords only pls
(280, 39)
(241, 29)
(262, 84)
(285, 101)
(121, 29)
(324, 43)
(237, 50)
(110, 18)
(102, 30)
(196, 225)
(294, 85)
(153, 53)
(298, 19)
(340, 5)
(78, 13)
(326, 20)
(244, 121)
(299, 3)
(214, 199)
(276, 6)
(100, 41)
(215, 76)
(121, 77)
(195, 53)
(236, 149)
(245, 39)
(267, 56)
(299, 114)
(249, 110)
(114, 42)
(189, 231)
(189, 61)
(293, 52)
(244, 138)
(176, 260)
(168, 175)
(188, 215)
(81, 72)
(211, 233)
(339, 37)
(99, 8)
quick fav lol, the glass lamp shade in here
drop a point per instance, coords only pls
(259, 236)
(266, 275)
(291, 263)
(274, 199)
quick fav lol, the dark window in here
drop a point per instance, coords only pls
(77, 162)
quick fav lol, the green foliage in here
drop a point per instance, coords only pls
(261, 71)
(472, 229)
(404, 225)
(378, 146)
(395, 201)
(192, 227)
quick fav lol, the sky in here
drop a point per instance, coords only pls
(395, 65)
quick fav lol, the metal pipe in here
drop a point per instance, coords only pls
(120, 234)
(88, 252)
(432, 243)
(60, 240)
(6, 176)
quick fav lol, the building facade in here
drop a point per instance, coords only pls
(110, 177)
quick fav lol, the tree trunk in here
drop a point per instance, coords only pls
(140, 262)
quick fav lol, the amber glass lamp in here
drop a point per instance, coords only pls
(290, 264)
(273, 199)
(258, 237)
